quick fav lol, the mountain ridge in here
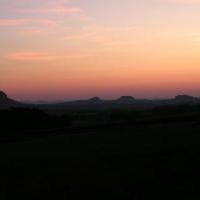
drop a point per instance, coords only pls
(98, 103)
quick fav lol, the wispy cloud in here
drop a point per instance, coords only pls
(22, 22)
(183, 1)
(32, 31)
(29, 56)
(13, 22)
(104, 36)
(36, 17)
(59, 9)
(44, 56)
(92, 32)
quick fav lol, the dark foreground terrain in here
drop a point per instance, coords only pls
(123, 154)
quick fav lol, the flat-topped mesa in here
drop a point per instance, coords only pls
(185, 98)
(126, 99)
(3, 96)
(95, 100)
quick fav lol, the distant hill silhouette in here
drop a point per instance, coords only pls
(96, 103)
(6, 102)
(2, 95)
(186, 98)
(95, 100)
(126, 99)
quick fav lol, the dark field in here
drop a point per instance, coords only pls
(132, 155)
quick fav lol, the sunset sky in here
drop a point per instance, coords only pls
(76, 49)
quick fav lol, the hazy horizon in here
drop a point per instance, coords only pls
(56, 50)
(56, 99)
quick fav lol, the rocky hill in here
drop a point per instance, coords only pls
(6, 102)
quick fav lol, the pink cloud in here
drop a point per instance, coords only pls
(29, 56)
(183, 1)
(13, 22)
(56, 10)
(23, 22)
(104, 36)
(32, 31)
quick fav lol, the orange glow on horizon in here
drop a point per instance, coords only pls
(66, 50)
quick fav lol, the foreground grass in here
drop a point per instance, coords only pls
(124, 162)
